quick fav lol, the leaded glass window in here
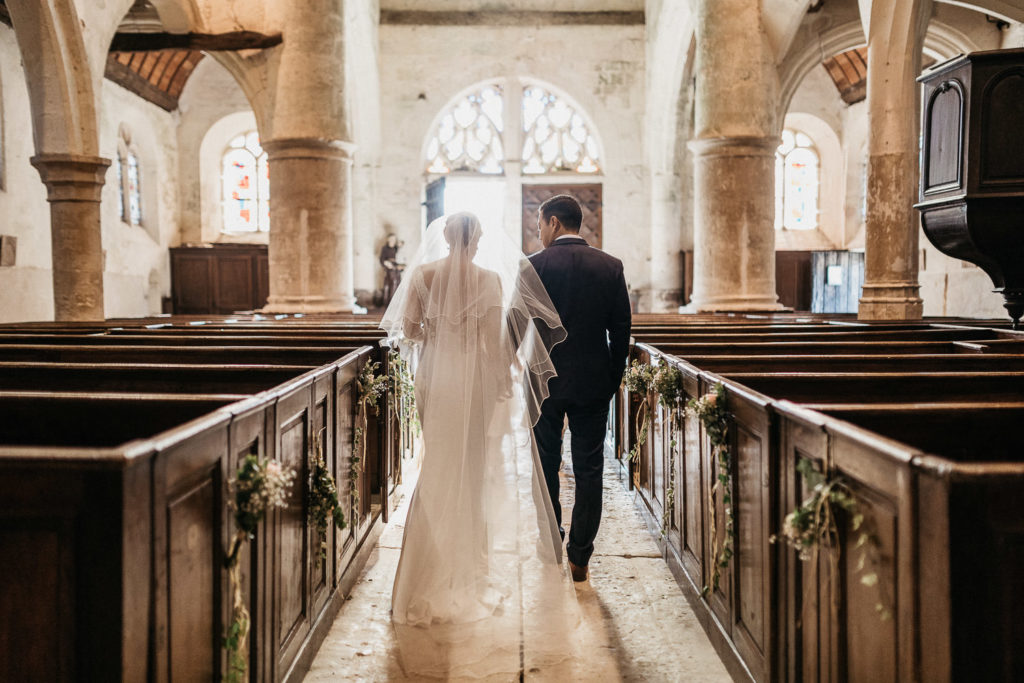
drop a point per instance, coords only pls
(797, 182)
(120, 185)
(245, 174)
(468, 136)
(555, 136)
(129, 174)
(134, 193)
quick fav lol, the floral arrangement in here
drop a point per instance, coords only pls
(403, 393)
(712, 410)
(637, 380)
(371, 388)
(323, 497)
(257, 486)
(668, 382)
(814, 522)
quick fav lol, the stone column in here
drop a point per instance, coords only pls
(735, 137)
(895, 31)
(73, 186)
(310, 226)
(309, 152)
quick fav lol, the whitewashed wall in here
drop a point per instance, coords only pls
(26, 289)
(137, 268)
(212, 110)
(136, 272)
(600, 67)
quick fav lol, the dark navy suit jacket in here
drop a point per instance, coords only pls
(589, 292)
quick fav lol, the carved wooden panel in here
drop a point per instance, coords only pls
(191, 572)
(234, 286)
(589, 197)
(944, 121)
(292, 585)
(1002, 144)
(36, 595)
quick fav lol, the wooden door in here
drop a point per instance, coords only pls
(589, 197)
(434, 200)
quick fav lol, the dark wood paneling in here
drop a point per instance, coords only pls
(222, 278)
(793, 279)
(192, 571)
(590, 199)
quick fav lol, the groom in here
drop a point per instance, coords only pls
(588, 290)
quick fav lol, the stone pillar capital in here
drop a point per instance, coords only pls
(308, 148)
(735, 146)
(71, 177)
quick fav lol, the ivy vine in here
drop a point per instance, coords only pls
(712, 410)
(370, 388)
(256, 487)
(637, 380)
(668, 382)
(324, 507)
(814, 523)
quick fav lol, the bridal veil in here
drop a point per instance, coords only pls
(481, 588)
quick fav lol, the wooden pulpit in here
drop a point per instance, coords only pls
(972, 165)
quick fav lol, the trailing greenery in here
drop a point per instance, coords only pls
(637, 380)
(668, 382)
(256, 486)
(323, 497)
(814, 523)
(713, 412)
(403, 393)
(370, 388)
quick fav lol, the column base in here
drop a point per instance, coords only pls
(307, 304)
(752, 304)
(890, 302)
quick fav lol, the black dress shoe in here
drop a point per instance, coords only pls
(578, 573)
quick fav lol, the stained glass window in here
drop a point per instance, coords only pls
(555, 136)
(797, 182)
(468, 136)
(128, 174)
(134, 193)
(246, 182)
(120, 184)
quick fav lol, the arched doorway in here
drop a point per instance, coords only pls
(502, 146)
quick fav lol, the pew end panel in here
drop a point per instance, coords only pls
(745, 598)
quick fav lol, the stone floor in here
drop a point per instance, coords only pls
(648, 630)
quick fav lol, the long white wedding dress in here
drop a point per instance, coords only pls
(481, 588)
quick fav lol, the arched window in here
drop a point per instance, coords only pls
(797, 182)
(246, 185)
(556, 138)
(468, 136)
(128, 179)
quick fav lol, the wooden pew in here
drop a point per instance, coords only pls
(756, 612)
(115, 534)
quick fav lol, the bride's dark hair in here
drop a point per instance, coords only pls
(461, 229)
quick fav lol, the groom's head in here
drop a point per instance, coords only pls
(559, 215)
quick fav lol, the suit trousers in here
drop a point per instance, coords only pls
(588, 423)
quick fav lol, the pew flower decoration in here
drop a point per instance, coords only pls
(257, 487)
(370, 388)
(403, 393)
(815, 523)
(668, 382)
(323, 497)
(637, 380)
(712, 410)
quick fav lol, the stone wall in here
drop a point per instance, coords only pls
(600, 67)
(26, 289)
(136, 269)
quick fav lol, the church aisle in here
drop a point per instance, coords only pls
(647, 629)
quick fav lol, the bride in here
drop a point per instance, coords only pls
(481, 589)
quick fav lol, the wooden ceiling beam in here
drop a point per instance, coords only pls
(208, 42)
